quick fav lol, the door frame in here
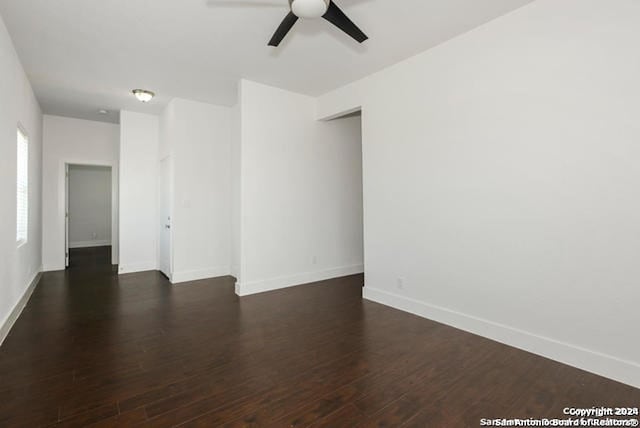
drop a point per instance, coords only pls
(63, 199)
(160, 222)
(66, 215)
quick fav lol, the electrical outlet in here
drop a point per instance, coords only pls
(400, 283)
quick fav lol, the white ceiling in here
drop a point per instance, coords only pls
(86, 55)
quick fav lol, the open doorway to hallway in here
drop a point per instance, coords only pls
(89, 215)
(349, 187)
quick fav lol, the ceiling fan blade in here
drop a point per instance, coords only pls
(337, 17)
(283, 29)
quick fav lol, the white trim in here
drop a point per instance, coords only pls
(254, 287)
(604, 365)
(235, 271)
(53, 268)
(8, 323)
(195, 275)
(340, 114)
(137, 267)
(89, 244)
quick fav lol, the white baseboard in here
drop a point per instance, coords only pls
(137, 267)
(53, 268)
(235, 271)
(20, 305)
(254, 287)
(195, 275)
(604, 365)
(88, 244)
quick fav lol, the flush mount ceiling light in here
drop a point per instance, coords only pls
(143, 95)
(103, 111)
(309, 8)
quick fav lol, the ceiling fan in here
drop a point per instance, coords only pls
(311, 9)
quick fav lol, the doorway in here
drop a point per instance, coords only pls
(165, 193)
(88, 215)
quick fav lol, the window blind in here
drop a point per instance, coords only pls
(22, 226)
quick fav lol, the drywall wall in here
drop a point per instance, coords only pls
(89, 206)
(19, 266)
(197, 136)
(79, 142)
(300, 191)
(501, 181)
(235, 192)
(139, 148)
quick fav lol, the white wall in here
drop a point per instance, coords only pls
(301, 192)
(89, 206)
(501, 182)
(73, 141)
(198, 138)
(235, 191)
(18, 266)
(138, 202)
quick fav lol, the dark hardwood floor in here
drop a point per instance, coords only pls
(92, 348)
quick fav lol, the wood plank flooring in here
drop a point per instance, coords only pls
(95, 349)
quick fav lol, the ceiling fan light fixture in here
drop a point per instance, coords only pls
(309, 8)
(143, 95)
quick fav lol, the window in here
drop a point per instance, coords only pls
(22, 223)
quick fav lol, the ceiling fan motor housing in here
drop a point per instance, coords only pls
(309, 8)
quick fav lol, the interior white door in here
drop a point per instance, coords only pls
(66, 215)
(165, 198)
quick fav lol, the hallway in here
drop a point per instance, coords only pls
(92, 347)
(94, 259)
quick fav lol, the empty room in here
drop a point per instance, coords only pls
(319, 213)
